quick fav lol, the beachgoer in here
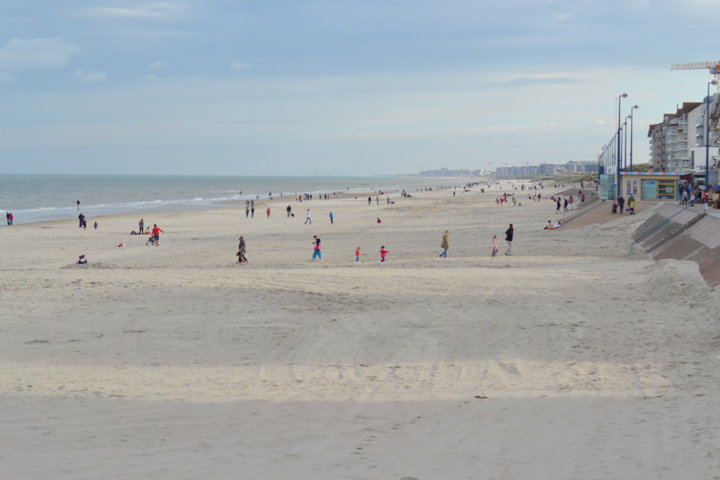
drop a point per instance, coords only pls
(268, 212)
(332, 217)
(252, 211)
(308, 217)
(141, 225)
(9, 217)
(289, 211)
(78, 204)
(509, 239)
(81, 220)
(445, 244)
(247, 211)
(82, 260)
(156, 234)
(95, 225)
(357, 254)
(383, 253)
(495, 248)
(317, 248)
(378, 220)
(241, 251)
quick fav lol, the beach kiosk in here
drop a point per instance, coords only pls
(653, 185)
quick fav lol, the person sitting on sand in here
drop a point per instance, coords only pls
(82, 260)
(549, 226)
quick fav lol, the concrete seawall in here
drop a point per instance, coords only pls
(683, 234)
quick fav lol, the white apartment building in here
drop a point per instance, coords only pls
(673, 141)
(712, 134)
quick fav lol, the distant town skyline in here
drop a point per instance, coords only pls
(334, 88)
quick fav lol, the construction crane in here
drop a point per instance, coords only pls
(714, 67)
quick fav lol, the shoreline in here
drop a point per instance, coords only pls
(198, 203)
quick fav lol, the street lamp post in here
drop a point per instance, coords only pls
(625, 142)
(631, 135)
(707, 134)
(619, 146)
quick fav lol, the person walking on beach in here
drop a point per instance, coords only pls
(252, 211)
(9, 217)
(383, 253)
(308, 217)
(268, 212)
(495, 248)
(289, 211)
(156, 234)
(317, 248)
(247, 211)
(241, 251)
(141, 226)
(445, 244)
(332, 217)
(369, 200)
(509, 239)
(357, 254)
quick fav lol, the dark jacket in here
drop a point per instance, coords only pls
(509, 234)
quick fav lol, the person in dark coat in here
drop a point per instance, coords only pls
(509, 239)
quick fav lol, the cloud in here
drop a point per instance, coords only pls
(542, 79)
(158, 64)
(35, 54)
(90, 76)
(150, 10)
(239, 67)
(455, 132)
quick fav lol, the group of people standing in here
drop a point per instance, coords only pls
(619, 205)
(495, 248)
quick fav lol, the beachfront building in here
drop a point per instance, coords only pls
(548, 169)
(706, 134)
(673, 141)
(654, 185)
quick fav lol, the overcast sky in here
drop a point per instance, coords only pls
(336, 87)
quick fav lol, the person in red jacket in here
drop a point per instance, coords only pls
(156, 234)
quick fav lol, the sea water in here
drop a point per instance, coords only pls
(36, 198)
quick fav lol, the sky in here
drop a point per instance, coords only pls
(337, 87)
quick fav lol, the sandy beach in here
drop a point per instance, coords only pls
(572, 358)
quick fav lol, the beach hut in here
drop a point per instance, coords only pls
(653, 185)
